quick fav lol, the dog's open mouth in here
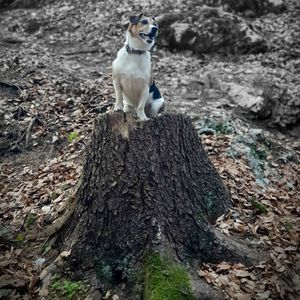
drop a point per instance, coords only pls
(146, 37)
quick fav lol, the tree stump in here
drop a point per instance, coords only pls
(146, 187)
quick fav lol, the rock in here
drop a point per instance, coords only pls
(209, 30)
(261, 108)
(32, 26)
(241, 95)
(207, 131)
(39, 261)
(46, 209)
(257, 133)
(248, 98)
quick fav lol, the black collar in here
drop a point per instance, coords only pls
(134, 51)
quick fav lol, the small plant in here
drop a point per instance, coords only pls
(65, 186)
(19, 237)
(72, 136)
(165, 280)
(54, 195)
(65, 289)
(260, 207)
(288, 225)
(46, 248)
(30, 220)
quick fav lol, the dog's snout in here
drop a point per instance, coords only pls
(153, 31)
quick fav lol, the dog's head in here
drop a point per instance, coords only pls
(143, 28)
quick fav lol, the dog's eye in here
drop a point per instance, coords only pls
(144, 22)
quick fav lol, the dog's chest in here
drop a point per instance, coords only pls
(132, 66)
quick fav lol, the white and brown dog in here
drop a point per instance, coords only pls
(131, 70)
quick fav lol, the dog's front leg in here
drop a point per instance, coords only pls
(141, 107)
(119, 95)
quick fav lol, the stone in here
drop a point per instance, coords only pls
(209, 30)
(46, 209)
(251, 8)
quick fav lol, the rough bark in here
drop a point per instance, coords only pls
(146, 186)
(208, 30)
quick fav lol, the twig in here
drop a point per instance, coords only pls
(83, 51)
(29, 129)
(12, 40)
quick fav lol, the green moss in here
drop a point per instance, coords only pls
(209, 200)
(72, 136)
(5, 293)
(30, 220)
(258, 151)
(65, 186)
(61, 288)
(54, 195)
(19, 237)
(6, 234)
(103, 271)
(260, 207)
(46, 247)
(165, 280)
(125, 270)
(288, 225)
(219, 126)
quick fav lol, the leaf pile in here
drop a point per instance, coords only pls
(266, 213)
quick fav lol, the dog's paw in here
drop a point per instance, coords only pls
(143, 117)
(127, 109)
(118, 108)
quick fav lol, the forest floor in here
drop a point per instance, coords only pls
(55, 78)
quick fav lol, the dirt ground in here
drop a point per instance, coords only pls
(55, 77)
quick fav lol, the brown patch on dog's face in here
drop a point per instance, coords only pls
(143, 27)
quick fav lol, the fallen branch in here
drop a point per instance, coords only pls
(29, 128)
(83, 51)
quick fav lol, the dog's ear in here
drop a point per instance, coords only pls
(134, 19)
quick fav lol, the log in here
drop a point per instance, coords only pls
(147, 187)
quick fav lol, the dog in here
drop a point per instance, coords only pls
(131, 70)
